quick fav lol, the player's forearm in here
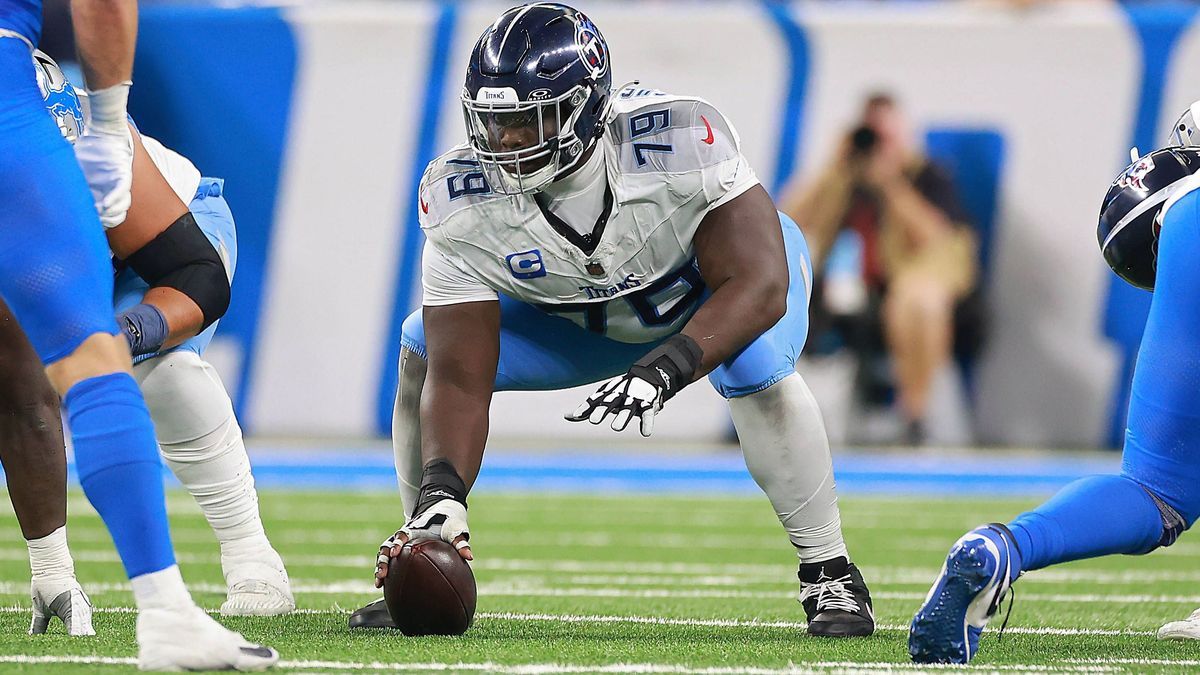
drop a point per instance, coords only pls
(739, 311)
(183, 316)
(105, 34)
(454, 426)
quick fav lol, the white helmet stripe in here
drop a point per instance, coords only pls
(1145, 205)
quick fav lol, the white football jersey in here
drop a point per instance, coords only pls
(634, 278)
(181, 174)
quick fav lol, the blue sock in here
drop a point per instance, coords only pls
(1091, 517)
(116, 455)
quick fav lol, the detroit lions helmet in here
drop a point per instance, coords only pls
(1131, 216)
(536, 96)
(1186, 131)
(62, 101)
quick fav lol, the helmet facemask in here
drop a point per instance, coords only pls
(1186, 131)
(524, 145)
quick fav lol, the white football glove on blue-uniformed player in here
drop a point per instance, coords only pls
(642, 391)
(105, 152)
(440, 513)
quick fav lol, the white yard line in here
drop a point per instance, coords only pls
(769, 539)
(360, 586)
(1138, 662)
(674, 574)
(648, 668)
(662, 621)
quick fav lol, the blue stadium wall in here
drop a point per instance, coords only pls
(321, 119)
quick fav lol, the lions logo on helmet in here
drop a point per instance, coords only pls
(1135, 173)
(61, 99)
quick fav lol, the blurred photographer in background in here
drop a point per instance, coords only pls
(915, 259)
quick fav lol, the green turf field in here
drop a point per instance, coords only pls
(616, 584)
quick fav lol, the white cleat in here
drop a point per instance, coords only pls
(185, 638)
(1188, 629)
(63, 598)
(258, 586)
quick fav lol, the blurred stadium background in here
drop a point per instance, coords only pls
(321, 116)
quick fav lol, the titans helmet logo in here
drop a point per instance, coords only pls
(592, 50)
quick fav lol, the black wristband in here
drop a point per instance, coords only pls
(671, 365)
(439, 480)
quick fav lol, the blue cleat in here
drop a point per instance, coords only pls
(981, 567)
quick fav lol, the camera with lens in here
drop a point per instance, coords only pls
(863, 141)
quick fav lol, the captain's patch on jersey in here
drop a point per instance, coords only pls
(526, 264)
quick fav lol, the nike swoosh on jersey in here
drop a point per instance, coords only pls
(709, 139)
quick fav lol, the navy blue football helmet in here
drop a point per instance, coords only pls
(1131, 216)
(537, 94)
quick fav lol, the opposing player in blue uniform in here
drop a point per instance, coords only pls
(175, 262)
(57, 280)
(1150, 235)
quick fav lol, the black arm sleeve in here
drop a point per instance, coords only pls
(182, 258)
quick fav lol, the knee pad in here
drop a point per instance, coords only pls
(186, 397)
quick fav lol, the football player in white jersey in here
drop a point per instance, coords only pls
(174, 256)
(583, 235)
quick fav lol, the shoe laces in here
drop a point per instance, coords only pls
(832, 594)
(1012, 597)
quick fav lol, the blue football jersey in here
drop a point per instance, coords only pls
(23, 17)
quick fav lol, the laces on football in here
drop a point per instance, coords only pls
(831, 594)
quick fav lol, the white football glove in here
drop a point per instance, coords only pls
(445, 520)
(105, 153)
(625, 396)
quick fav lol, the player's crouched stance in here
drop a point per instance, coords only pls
(1150, 235)
(581, 236)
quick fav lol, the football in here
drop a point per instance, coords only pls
(430, 590)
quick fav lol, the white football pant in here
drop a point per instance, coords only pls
(202, 444)
(783, 440)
